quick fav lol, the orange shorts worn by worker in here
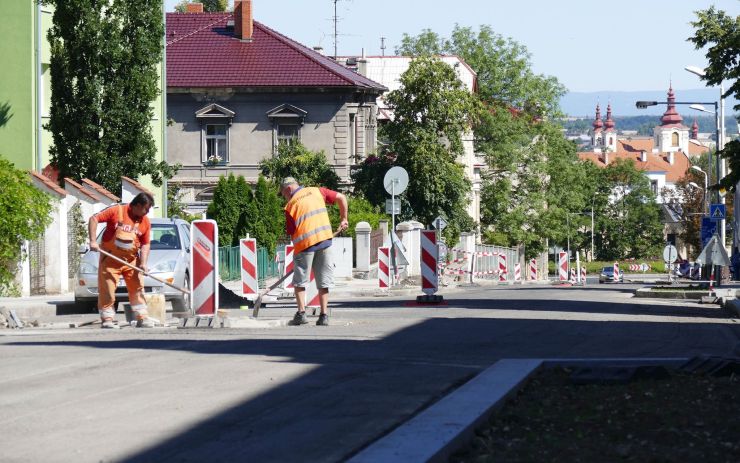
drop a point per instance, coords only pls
(126, 236)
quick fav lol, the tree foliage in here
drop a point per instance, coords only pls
(209, 6)
(104, 78)
(432, 111)
(628, 219)
(26, 214)
(720, 32)
(239, 210)
(309, 168)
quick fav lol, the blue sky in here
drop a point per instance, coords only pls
(590, 46)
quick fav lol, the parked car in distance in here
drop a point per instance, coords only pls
(607, 275)
(169, 260)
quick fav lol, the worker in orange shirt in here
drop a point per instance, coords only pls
(126, 236)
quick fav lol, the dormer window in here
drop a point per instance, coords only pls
(287, 121)
(215, 121)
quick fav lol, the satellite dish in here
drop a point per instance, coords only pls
(396, 180)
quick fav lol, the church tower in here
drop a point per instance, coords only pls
(671, 135)
(597, 138)
(610, 133)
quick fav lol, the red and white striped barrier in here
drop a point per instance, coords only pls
(384, 267)
(616, 271)
(503, 271)
(429, 252)
(288, 267)
(248, 252)
(583, 275)
(533, 269)
(518, 272)
(573, 275)
(312, 292)
(204, 265)
(563, 266)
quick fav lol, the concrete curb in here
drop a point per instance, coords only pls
(437, 432)
(650, 293)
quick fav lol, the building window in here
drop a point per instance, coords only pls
(674, 139)
(216, 144)
(288, 133)
(352, 136)
(654, 186)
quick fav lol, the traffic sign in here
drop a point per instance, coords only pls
(717, 212)
(439, 223)
(442, 252)
(708, 229)
(393, 206)
(670, 254)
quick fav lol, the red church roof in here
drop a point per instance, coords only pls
(203, 52)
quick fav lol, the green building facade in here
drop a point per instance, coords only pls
(25, 92)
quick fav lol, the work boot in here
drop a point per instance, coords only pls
(323, 320)
(299, 319)
(109, 325)
(145, 323)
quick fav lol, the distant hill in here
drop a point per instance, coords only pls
(583, 104)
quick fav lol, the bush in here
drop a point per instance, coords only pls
(594, 268)
(309, 168)
(359, 210)
(26, 214)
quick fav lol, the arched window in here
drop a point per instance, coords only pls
(674, 139)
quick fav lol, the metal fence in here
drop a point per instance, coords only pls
(230, 265)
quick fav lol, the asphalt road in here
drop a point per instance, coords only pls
(309, 393)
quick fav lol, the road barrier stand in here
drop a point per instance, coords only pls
(204, 263)
(248, 253)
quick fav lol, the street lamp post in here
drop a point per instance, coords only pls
(706, 185)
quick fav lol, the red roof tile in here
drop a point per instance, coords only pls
(48, 183)
(656, 162)
(77, 186)
(100, 189)
(203, 52)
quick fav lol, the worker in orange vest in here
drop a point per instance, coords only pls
(126, 236)
(307, 222)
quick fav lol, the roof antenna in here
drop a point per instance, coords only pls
(382, 46)
(335, 19)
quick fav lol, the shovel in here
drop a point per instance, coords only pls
(105, 253)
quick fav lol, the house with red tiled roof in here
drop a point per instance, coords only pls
(236, 89)
(664, 157)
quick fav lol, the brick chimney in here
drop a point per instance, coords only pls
(643, 156)
(194, 8)
(243, 26)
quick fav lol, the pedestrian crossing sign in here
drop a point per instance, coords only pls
(717, 211)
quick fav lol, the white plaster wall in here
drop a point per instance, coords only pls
(55, 248)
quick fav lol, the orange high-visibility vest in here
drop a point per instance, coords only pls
(312, 224)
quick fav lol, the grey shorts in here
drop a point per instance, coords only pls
(322, 264)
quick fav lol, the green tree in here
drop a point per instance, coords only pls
(359, 210)
(432, 110)
(534, 179)
(209, 6)
(26, 214)
(175, 206)
(104, 75)
(628, 221)
(720, 32)
(308, 167)
(231, 198)
(268, 225)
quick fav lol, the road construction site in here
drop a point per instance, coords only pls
(312, 393)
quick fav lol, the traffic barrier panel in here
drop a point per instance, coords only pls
(573, 275)
(248, 251)
(583, 275)
(533, 269)
(503, 271)
(616, 271)
(288, 267)
(518, 272)
(429, 254)
(204, 265)
(312, 292)
(384, 267)
(563, 266)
